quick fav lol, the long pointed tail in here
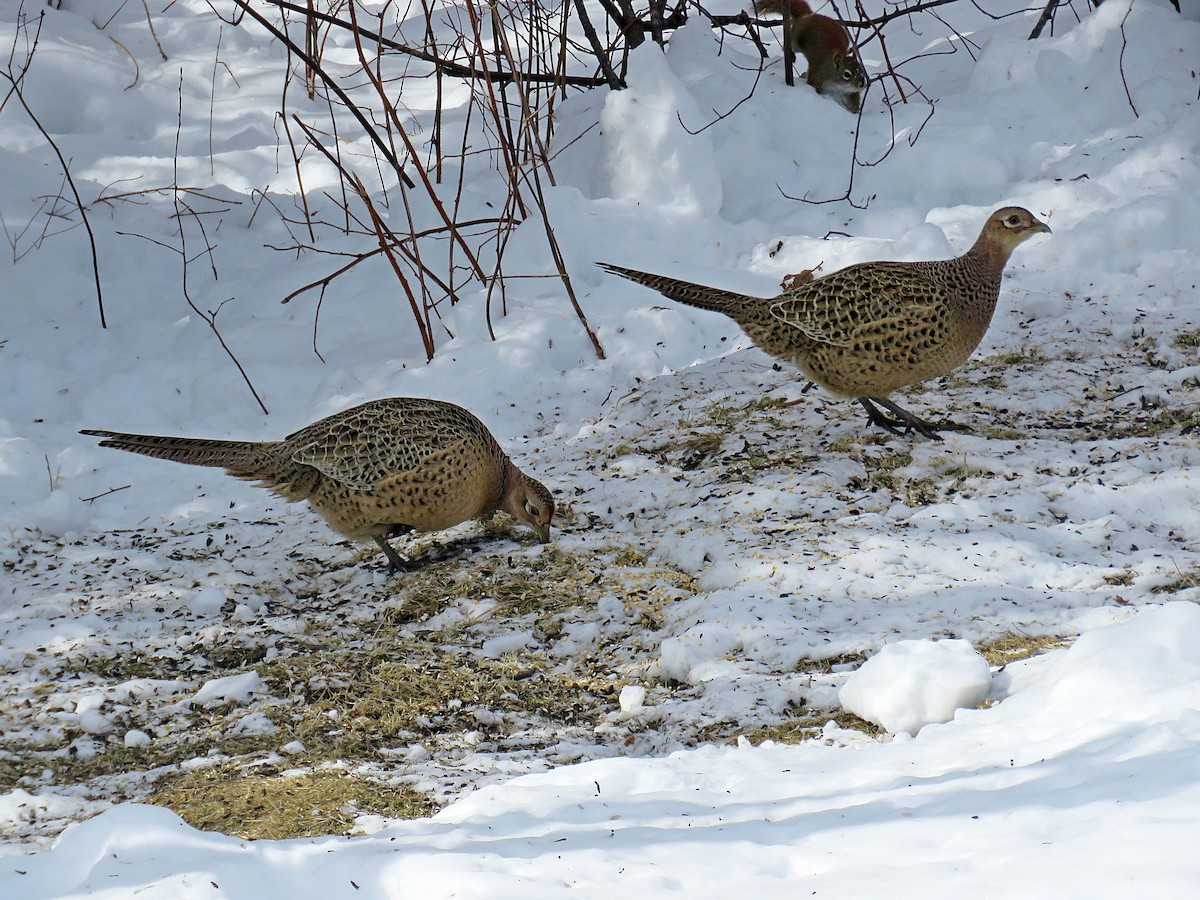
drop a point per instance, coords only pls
(686, 292)
(239, 457)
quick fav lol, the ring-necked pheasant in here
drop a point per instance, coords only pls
(375, 471)
(869, 329)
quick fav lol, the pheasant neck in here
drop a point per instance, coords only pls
(982, 269)
(509, 480)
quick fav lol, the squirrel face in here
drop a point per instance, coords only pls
(834, 68)
(842, 78)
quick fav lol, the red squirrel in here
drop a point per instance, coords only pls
(833, 65)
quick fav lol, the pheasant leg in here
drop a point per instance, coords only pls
(395, 563)
(904, 419)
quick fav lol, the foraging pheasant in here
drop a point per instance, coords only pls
(872, 328)
(381, 469)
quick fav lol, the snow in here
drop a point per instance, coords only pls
(136, 738)
(910, 684)
(1084, 777)
(747, 544)
(632, 698)
(230, 689)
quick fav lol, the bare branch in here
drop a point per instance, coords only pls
(445, 66)
(333, 85)
(14, 80)
(1046, 17)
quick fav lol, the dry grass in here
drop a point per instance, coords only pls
(881, 476)
(348, 695)
(1012, 647)
(1143, 423)
(1186, 340)
(1025, 355)
(807, 727)
(695, 441)
(830, 664)
(274, 807)
(998, 652)
(1182, 583)
(351, 706)
(551, 586)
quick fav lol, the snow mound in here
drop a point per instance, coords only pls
(648, 157)
(910, 684)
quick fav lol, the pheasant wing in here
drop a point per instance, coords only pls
(361, 449)
(837, 308)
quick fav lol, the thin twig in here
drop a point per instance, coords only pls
(731, 110)
(212, 101)
(137, 70)
(16, 91)
(444, 65)
(333, 85)
(412, 153)
(209, 318)
(538, 164)
(602, 57)
(153, 33)
(387, 242)
(104, 493)
(1121, 61)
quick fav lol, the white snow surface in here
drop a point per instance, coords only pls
(909, 684)
(1082, 783)
(803, 535)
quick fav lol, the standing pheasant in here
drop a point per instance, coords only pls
(869, 329)
(381, 469)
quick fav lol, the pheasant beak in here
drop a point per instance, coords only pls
(542, 532)
(1043, 227)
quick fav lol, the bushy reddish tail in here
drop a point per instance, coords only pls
(239, 457)
(799, 7)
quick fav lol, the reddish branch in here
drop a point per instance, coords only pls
(445, 66)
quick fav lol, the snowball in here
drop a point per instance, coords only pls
(58, 514)
(136, 738)
(253, 723)
(908, 684)
(632, 698)
(684, 657)
(91, 720)
(231, 688)
(244, 612)
(95, 723)
(506, 643)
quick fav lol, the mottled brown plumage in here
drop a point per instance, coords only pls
(869, 329)
(380, 469)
